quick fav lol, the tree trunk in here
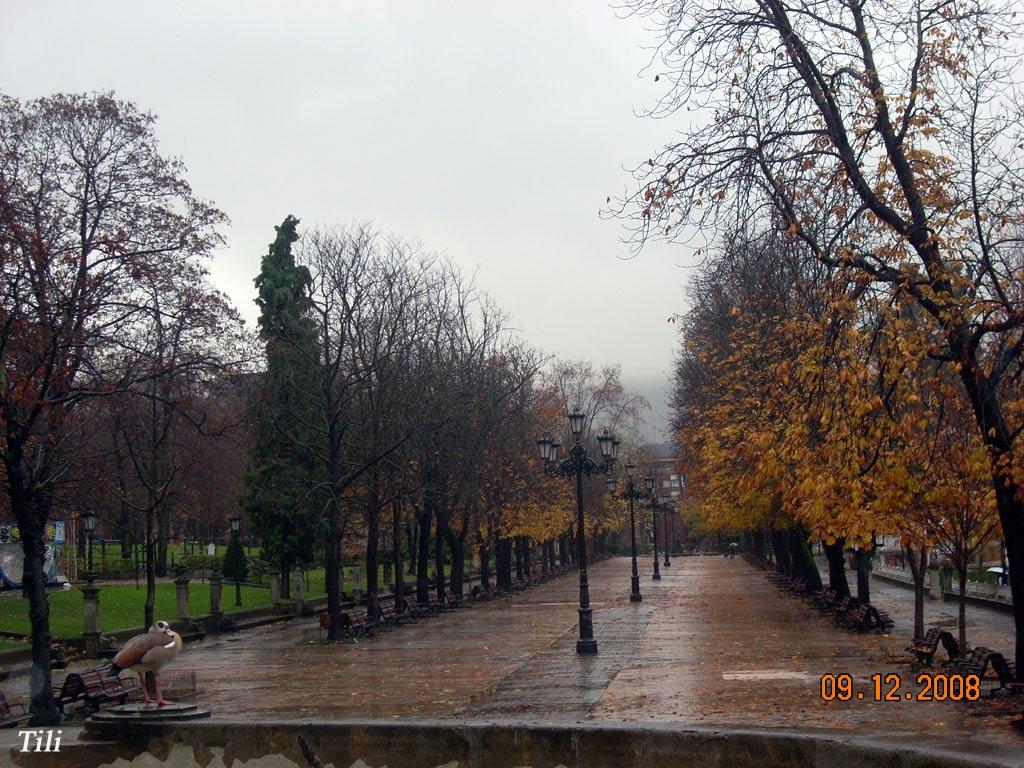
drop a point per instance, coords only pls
(804, 566)
(519, 557)
(439, 535)
(32, 525)
(397, 560)
(961, 608)
(150, 604)
(918, 568)
(372, 550)
(423, 556)
(837, 568)
(563, 550)
(332, 576)
(410, 537)
(503, 554)
(996, 434)
(455, 583)
(485, 568)
(863, 558)
(779, 548)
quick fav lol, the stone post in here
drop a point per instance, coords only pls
(216, 583)
(91, 634)
(357, 583)
(934, 582)
(297, 592)
(181, 586)
(275, 589)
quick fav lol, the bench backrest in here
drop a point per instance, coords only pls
(72, 687)
(1002, 668)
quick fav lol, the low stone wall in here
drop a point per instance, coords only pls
(430, 744)
(979, 593)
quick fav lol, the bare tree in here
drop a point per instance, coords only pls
(89, 207)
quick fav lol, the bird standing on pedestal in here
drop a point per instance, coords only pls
(148, 653)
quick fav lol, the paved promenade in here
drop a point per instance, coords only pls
(713, 643)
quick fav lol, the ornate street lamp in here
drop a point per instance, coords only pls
(89, 521)
(632, 494)
(651, 483)
(664, 521)
(577, 465)
(236, 527)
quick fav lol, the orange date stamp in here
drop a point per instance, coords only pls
(892, 688)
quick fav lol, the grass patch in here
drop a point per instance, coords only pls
(122, 606)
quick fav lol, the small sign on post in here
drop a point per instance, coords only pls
(211, 549)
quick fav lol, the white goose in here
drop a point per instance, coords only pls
(148, 653)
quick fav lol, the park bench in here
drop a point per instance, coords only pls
(11, 715)
(926, 648)
(880, 620)
(68, 692)
(842, 607)
(356, 622)
(388, 614)
(974, 664)
(92, 688)
(1005, 672)
(824, 598)
(478, 593)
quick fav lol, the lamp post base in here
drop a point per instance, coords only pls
(634, 590)
(656, 576)
(636, 597)
(586, 647)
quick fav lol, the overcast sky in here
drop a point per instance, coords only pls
(491, 131)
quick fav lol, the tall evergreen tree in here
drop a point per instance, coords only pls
(281, 497)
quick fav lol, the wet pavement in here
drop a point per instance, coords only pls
(713, 643)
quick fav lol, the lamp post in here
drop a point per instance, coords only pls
(236, 527)
(577, 465)
(664, 522)
(632, 494)
(89, 521)
(651, 484)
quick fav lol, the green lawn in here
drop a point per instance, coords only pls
(121, 606)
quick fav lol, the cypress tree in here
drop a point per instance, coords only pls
(280, 499)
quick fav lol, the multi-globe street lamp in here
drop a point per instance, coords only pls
(89, 521)
(576, 466)
(651, 484)
(236, 527)
(632, 494)
(664, 523)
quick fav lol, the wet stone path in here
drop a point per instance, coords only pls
(713, 643)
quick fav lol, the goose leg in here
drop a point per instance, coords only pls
(145, 690)
(160, 701)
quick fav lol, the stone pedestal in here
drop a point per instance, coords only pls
(934, 583)
(216, 584)
(297, 593)
(357, 583)
(91, 594)
(181, 587)
(275, 589)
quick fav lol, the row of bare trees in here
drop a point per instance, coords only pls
(414, 420)
(392, 404)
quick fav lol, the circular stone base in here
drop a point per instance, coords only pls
(150, 713)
